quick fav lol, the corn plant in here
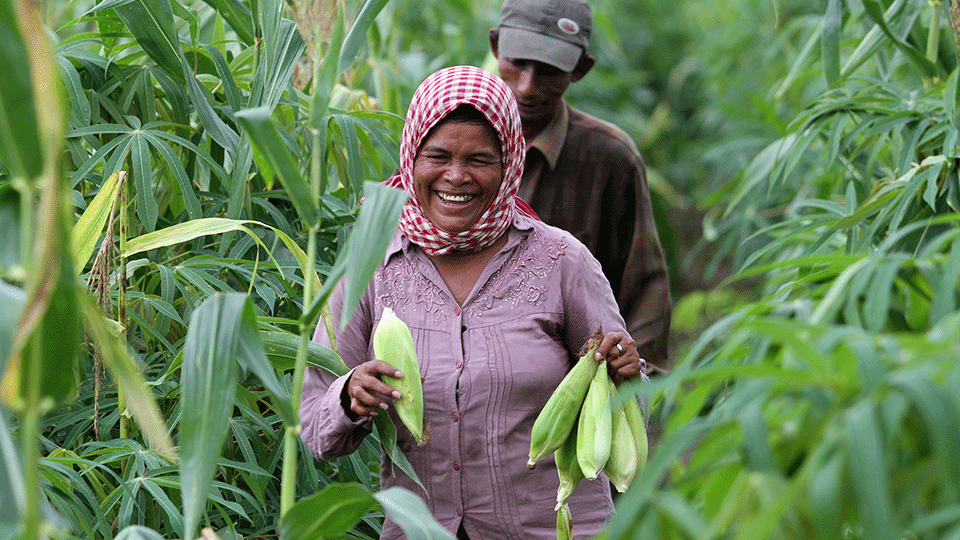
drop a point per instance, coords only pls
(826, 408)
(176, 147)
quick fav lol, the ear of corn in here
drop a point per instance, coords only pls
(638, 429)
(595, 427)
(393, 343)
(558, 416)
(621, 466)
(567, 467)
(564, 523)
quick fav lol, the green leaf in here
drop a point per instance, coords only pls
(825, 499)
(251, 354)
(387, 433)
(274, 157)
(11, 477)
(369, 240)
(187, 231)
(209, 382)
(147, 208)
(926, 66)
(868, 472)
(48, 331)
(329, 513)
(152, 24)
(281, 348)
(830, 42)
(357, 36)
(124, 370)
(86, 232)
(238, 16)
(12, 300)
(20, 148)
(326, 73)
(412, 515)
(951, 98)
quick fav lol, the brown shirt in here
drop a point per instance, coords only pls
(586, 176)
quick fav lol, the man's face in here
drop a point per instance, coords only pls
(538, 87)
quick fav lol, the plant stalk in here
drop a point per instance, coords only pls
(122, 301)
(29, 443)
(26, 225)
(288, 480)
(933, 37)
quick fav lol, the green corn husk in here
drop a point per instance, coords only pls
(393, 343)
(568, 469)
(621, 466)
(595, 429)
(559, 414)
(638, 427)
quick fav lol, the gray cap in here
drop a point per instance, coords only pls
(554, 32)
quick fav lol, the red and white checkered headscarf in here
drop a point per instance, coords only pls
(437, 97)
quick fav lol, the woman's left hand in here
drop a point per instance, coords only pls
(623, 360)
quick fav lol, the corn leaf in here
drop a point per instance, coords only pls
(20, 148)
(868, 472)
(916, 56)
(357, 35)
(281, 349)
(830, 41)
(368, 242)
(274, 158)
(409, 512)
(238, 16)
(125, 371)
(328, 514)
(251, 354)
(86, 232)
(209, 381)
(12, 299)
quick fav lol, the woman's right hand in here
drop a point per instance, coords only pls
(366, 391)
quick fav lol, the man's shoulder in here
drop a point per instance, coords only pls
(600, 134)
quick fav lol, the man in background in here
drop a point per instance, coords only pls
(583, 174)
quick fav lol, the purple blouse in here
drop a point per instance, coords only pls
(489, 366)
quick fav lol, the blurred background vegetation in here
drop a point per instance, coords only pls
(803, 159)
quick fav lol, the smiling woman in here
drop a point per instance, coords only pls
(498, 304)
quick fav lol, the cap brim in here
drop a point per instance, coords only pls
(527, 45)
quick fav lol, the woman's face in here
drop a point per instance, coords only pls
(457, 174)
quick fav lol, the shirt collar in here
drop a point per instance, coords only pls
(551, 139)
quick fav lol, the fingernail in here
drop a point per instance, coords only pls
(597, 355)
(396, 395)
(383, 406)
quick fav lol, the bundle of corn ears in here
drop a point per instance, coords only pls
(393, 343)
(586, 433)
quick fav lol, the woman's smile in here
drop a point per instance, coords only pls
(455, 198)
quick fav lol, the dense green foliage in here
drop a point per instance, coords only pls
(203, 181)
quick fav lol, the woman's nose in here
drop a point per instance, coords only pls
(454, 172)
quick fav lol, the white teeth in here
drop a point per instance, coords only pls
(454, 198)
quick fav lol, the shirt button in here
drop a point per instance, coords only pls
(459, 512)
(463, 328)
(455, 417)
(456, 310)
(456, 465)
(459, 364)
